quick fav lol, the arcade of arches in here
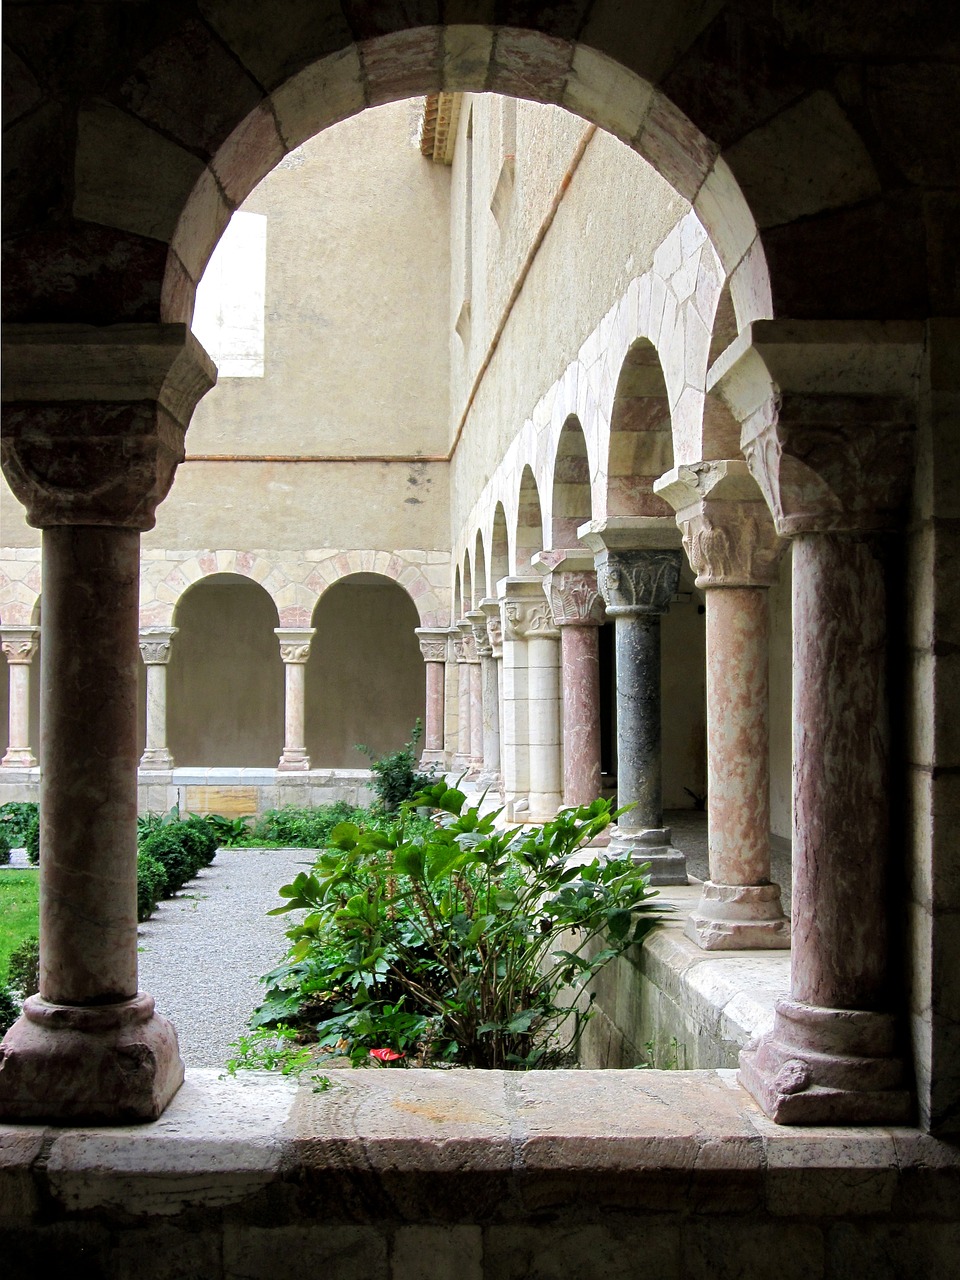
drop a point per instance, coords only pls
(608, 427)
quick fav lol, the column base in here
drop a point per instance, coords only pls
(827, 1066)
(739, 917)
(157, 759)
(544, 805)
(430, 759)
(19, 758)
(489, 781)
(667, 864)
(294, 760)
(102, 1064)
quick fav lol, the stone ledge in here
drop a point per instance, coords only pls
(423, 1174)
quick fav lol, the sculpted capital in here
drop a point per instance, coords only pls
(155, 645)
(294, 643)
(526, 619)
(638, 581)
(732, 544)
(19, 644)
(575, 599)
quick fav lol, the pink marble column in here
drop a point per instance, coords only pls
(732, 545)
(90, 1048)
(578, 611)
(295, 651)
(835, 469)
(19, 646)
(155, 648)
(461, 761)
(433, 647)
(490, 648)
(478, 633)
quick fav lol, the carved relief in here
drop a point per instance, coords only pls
(294, 644)
(294, 652)
(732, 544)
(528, 619)
(155, 645)
(576, 600)
(638, 581)
(20, 644)
(434, 648)
(495, 633)
(482, 640)
(460, 648)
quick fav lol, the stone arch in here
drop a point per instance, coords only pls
(529, 535)
(159, 606)
(467, 584)
(480, 586)
(364, 676)
(389, 564)
(225, 676)
(457, 600)
(499, 547)
(571, 505)
(641, 440)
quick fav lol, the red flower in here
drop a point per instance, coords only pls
(386, 1055)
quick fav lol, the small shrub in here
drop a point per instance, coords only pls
(176, 848)
(15, 818)
(9, 1009)
(151, 884)
(301, 828)
(5, 847)
(395, 776)
(24, 967)
(206, 837)
(32, 839)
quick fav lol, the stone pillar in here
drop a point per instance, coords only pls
(294, 650)
(486, 712)
(637, 587)
(155, 645)
(834, 466)
(93, 431)
(732, 545)
(491, 660)
(578, 611)
(19, 646)
(476, 692)
(433, 647)
(461, 761)
(514, 693)
(527, 619)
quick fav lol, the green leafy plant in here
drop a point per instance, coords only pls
(9, 1009)
(395, 776)
(15, 818)
(5, 848)
(180, 851)
(151, 884)
(229, 831)
(31, 839)
(23, 972)
(454, 941)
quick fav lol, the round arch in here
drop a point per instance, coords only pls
(529, 535)
(225, 677)
(641, 439)
(364, 677)
(572, 505)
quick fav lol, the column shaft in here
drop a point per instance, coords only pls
(294, 651)
(88, 792)
(638, 720)
(476, 718)
(581, 713)
(155, 650)
(433, 734)
(543, 666)
(18, 753)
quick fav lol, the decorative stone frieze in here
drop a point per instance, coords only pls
(155, 649)
(294, 652)
(19, 645)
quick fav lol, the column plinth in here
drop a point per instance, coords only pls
(637, 587)
(19, 646)
(433, 647)
(94, 421)
(294, 651)
(155, 648)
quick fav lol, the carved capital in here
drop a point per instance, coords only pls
(575, 599)
(638, 581)
(731, 544)
(478, 632)
(19, 644)
(155, 644)
(433, 644)
(94, 418)
(294, 643)
(527, 619)
(495, 634)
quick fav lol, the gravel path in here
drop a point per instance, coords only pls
(202, 952)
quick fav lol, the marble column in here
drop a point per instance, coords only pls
(90, 1048)
(155, 646)
(732, 545)
(486, 712)
(433, 647)
(476, 693)
(839, 491)
(19, 646)
(515, 593)
(294, 650)
(578, 611)
(461, 761)
(637, 587)
(491, 658)
(528, 620)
